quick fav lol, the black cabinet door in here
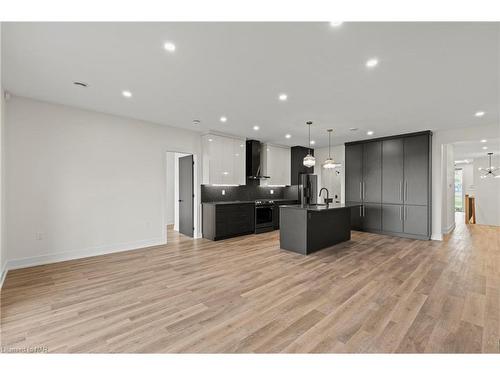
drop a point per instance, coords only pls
(372, 216)
(353, 172)
(234, 219)
(416, 170)
(416, 220)
(356, 217)
(372, 172)
(297, 155)
(392, 218)
(392, 171)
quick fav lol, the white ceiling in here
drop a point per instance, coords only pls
(474, 149)
(430, 75)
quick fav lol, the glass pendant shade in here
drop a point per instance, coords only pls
(330, 163)
(309, 160)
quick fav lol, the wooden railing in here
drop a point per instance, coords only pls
(470, 210)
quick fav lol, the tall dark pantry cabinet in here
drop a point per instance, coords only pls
(391, 178)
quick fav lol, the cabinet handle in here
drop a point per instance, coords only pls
(361, 211)
(364, 191)
(400, 190)
(406, 191)
(360, 190)
(401, 213)
(405, 213)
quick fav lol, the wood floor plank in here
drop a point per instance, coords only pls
(374, 293)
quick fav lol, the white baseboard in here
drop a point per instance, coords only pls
(437, 237)
(3, 275)
(84, 253)
(449, 229)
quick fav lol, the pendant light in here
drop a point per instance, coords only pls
(489, 170)
(309, 160)
(330, 163)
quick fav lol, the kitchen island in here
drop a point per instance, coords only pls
(308, 228)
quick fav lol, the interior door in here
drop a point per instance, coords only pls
(186, 214)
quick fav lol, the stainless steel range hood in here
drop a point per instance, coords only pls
(253, 162)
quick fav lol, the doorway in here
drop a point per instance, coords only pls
(459, 195)
(181, 214)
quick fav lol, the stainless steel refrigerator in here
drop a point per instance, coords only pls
(308, 189)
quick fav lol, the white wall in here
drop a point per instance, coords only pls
(467, 179)
(171, 181)
(328, 178)
(80, 183)
(3, 258)
(487, 193)
(448, 219)
(439, 139)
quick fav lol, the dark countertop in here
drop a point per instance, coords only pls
(249, 202)
(321, 207)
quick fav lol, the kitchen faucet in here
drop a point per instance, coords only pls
(327, 200)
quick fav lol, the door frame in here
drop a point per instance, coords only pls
(196, 198)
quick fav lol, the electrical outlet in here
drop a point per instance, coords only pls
(223, 192)
(39, 236)
(272, 191)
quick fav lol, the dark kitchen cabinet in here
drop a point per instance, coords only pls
(356, 216)
(227, 220)
(276, 211)
(392, 171)
(353, 173)
(415, 220)
(392, 218)
(395, 171)
(372, 217)
(372, 172)
(416, 170)
(298, 153)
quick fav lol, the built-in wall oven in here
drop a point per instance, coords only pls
(264, 216)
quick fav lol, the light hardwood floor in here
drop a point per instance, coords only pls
(373, 294)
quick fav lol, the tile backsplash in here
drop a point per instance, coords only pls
(211, 193)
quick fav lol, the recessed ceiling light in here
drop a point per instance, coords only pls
(485, 148)
(353, 129)
(81, 84)
(479, 114)
(336, 23)
(210, 139)
(242, 145)
(483, 141)
(312, 142)
(126, 93)
(372, 63)
(369, 132)
(223, 119)
(288, 136)
(283, 97)
(169, 46)
(256, 127)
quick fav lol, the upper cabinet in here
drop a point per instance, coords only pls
(223, 160)
(275, 163)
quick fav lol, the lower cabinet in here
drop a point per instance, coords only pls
(372, 216)
(406, 219)
(227, 220)
(416, 220)
(356, 216)
(392, 218)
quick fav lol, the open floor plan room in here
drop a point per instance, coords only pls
(250, 187)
